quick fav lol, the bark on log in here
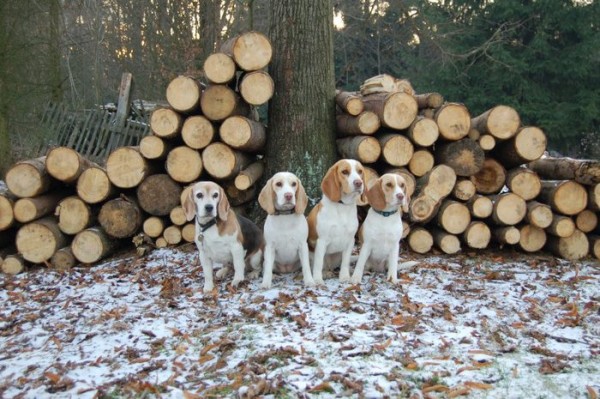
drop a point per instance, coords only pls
(158, 194)
(564, 196)
(586, 221)
(561, 226)
(197, 132)
(153, 147)
(249, 176)
(477, 235)
(593, 198)
(74, 215)
(487, 142)
(423, 131)
(584, 171)
(94, 186)
(28, 178)
(127, 168)
(120, 217)
(480, 207)
(421, 162)
(188, 232)
(538, 214)
(184, 164)
(453, 120)
(250, 51)
(446, 242)
(506, 235)
(464, 156)
(365, 149)
(509, 209)
(243, 134)
(453, 217)
(420, 240)
(574, 247)
(256, 88)
(38, 241)
(63, 260)
(411, 183)
(429, 100)
(183, 94)
(526, 146)
(92, 245)
(432, 189)
(177, 216)
(166, 123)
(366, 122)
(222, 162)
(153, 226)
(532, 238)
(238, 197)
(66, 164)
(501, 122)
(595, 245)
(524, 182)
(7, 216)
(172, 235)
(28, 209)
(219, 68)
(491, 178)
(396, 150)
(13, 264)
(220, 102)
(349, 102)
(395, 110)
(464, 190)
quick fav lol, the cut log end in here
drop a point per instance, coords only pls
(420, 240)
(219, 68)
(223, 162)
(92, 245)
(365, 149)
(532, 238)
(74, 215)
(38, 241)
(184, 164)
(574, 247)
(250, 51)
(243, 134)
(197, 132)
(94, 186)
(587, 221)
(477, 235)
(165, 123)
(256, 88)
(65, 164)
(28, 178)
(396, 150)
(158, 194)
(453, 120)
(501, 122)
(13, 264)
(183, 94)
(126, 167)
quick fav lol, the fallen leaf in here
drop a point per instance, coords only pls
(435, 388)
(322, 387)
(478, 385)
(591, 392)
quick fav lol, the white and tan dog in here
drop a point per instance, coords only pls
(333, 222)
(381, 232)
(222, 237)
(286, 229)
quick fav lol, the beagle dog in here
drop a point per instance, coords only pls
(333, 223)
(222, 236)
(286, 229)
(381, 232)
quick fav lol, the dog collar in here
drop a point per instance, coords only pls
(287, 212)
(204, 227)
(384, 213)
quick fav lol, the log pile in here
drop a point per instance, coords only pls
(479, 180)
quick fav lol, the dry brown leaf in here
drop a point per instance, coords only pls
(383, 346)
(591, 392)
(478, 385)
(53, 377)
(322, 387)
(205, 358)
(190, 395)
(460, 391)
(435, 388)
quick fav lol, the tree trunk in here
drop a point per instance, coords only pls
(364, 123)
(446, 242)
(223, 162)
(92, 245)
(183, 94)
(432, 189)
(7, 216)
(28, 209)
(63, 260)
(395, 110)
(153, 227)
(154, 148)
(586, 221)
(350, 102)
(423, 131)
(581, 170)
(507, 235)
(421, 162)
(66, 164)
(491, 178)
(526, 146)
(197, 132)
(365, 149)
(243, 134)
(28, 178)
(464, 156)
(256, 88)
(94, 186)
(5, 145)
(538, 214)
(464, 190)
(127, 168)
(561, 226)
(574, 247)
(38, 241)
(184, 164)
(302, 110)
(524, 182)
(249, 176)
(219, 102)
(477, 235)
(502, 122)
(509, 209)
(219, 68)
(453, 217)
(429, 100)
(532, 238)
(158, 194)
(396, 150)
(564, 196)
(166, 123)
(453, 120)
(74, 215)
(120, 218)
(480, 207)
(251, 51)
(420, 240)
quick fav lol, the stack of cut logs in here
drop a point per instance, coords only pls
(62, 209)
(473, 181)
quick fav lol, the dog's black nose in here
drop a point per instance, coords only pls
(209, 208)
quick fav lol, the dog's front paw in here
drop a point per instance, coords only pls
(236, 281)
(344, 278)
(208, 288)
(356, 279)
(253, 274)
(221, 273)
(309, 282)
(265, 285)
(319, 281)
(393, 279)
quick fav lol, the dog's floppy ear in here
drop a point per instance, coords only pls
(265, 198)
(376, 196)
(406, 202)
(301, 199)
(331, 184)
(188, 204)
(223, 208)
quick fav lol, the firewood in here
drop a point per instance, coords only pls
(238, 197)
(74, 215)
(7, 216)
(502, 122)
(532, 238)
(432, 189)
(491, 178)
(453, 216)
(219, 68)
(385, 83)
(349, 102)
(153, 226)
(586, 221)
(564, 196)
(454, 121)
(249, 176)
(405, 229)
(428, 113)
(366, 149)
(421, 162)
(524, 182)
(127, 168)
(595, 245)
(184, 164)
(464, 190)
(183, 94)
(94, 186)
(177, 216)
(161, 242)
(583, 171)
(256, 88)
(366, 122)
(396, 150)
(197, 132)
(243, 134)
(487, 142)
(66, 164)
(250, 51)
(39, 240)
(574, 247)
(446, 242)
(538, 214)
(28, 209)
(92, 245)
(474, 134)
(423, 131)
(120, 217)
(166, 123)
(13, 264)
(506, 235)
(395, 110)
(219, 102)
(593, 198)
(188, 232)
(429, 100)
(409, 178)
(63, 259)
(153, 147)
(477, 235)
(172, 235)
(526, 146)
(465, 156)
(420, 240)
(28, 178)
(509, 209)
(561, 226)
(158, 194)
(223, 162)
(481, 207)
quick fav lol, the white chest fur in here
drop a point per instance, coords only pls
(336, 225)
(218, 247)
(382, 233)
(286, 233)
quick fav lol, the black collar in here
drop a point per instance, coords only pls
(204, 227)
(385, 213)
(284, 212)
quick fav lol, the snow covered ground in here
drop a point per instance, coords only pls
(499, 325)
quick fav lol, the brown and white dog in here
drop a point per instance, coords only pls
(286, 229)
(222, 237)
(381, 232)
(333, 223)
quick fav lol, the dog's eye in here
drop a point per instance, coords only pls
(294, 184)
(199, 196)
(390, 185)
(279, 184)
(215, 195)
(345, 172)
(360, 171)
